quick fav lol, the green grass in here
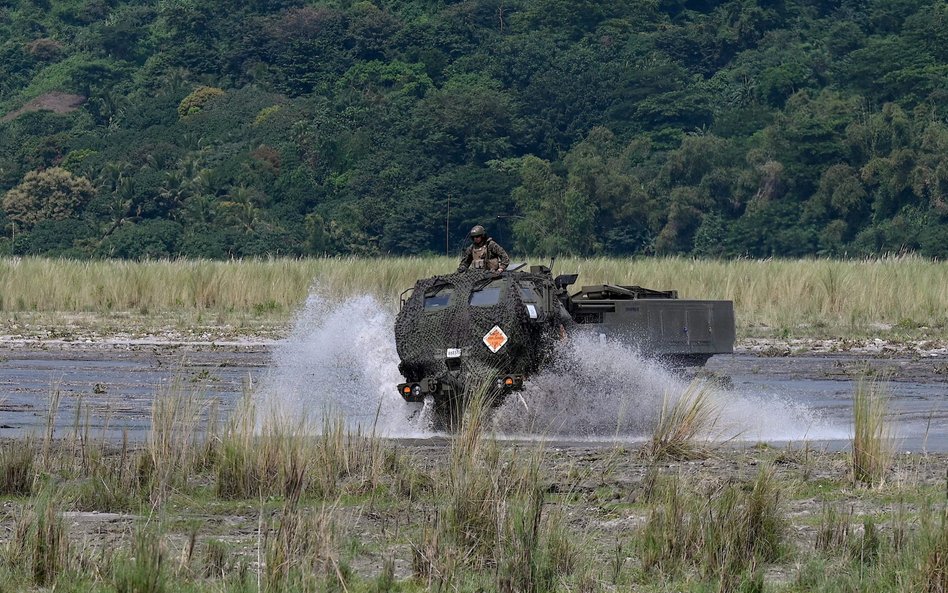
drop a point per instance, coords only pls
(16, 467)
(908, 554)
(899, 297)
(726, 535)
(271, 505)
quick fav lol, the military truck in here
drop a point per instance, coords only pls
(480, 327)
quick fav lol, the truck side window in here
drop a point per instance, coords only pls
(528, 295)
(438, 297)
(487, 295)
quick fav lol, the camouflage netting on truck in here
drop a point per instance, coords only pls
(457, 311)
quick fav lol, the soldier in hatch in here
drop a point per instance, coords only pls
(483, 253)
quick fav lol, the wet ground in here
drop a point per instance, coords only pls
(112, 386)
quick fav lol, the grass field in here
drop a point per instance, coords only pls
(211, 506)
(899, 297)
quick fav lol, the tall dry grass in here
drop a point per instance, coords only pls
(685, 425)
(784, 296)
(492, 514)
(873, 444)
(251, 286)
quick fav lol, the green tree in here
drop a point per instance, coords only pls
(557, 219)
(148, 239)
(468, 118)
(930, 175)
(198, 99)
(710, 237)
(599, 170)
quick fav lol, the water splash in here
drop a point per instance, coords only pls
(604, 389)
(340, 359)
(593, 388)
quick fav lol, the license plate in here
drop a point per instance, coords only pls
(453, 353)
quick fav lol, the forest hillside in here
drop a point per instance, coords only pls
(205, 128)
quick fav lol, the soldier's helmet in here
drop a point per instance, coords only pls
(477, 231)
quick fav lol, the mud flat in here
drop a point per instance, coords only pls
(600, 511)
(130, 492)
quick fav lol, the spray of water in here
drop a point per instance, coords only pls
(598, 388)
(340, 358)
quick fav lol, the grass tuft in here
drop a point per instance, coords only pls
(16, 467)
(873, 445)
(906, 553)
(301, 547)
(725, 535)
(237, 469)
(173, 443)
(39, 544)
(143, 569)
(684, 425)
(933, 553)
(492, 513)
(833, 532)
(217, 559)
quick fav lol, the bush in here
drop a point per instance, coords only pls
(149, 239)
(56, 238)
(195, 102)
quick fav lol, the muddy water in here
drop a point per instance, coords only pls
(918, 388)
(110, 388)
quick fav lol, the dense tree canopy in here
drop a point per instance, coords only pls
(285, 127)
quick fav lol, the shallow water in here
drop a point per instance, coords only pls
(825, 384)
(340, 359)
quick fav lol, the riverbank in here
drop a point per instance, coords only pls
(600, 519)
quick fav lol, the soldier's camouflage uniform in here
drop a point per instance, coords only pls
(488, 256)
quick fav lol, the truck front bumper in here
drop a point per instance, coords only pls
(447, 390)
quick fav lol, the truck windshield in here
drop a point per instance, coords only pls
(487, 295)
(438, 297)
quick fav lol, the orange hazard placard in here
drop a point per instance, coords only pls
(495, 339)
